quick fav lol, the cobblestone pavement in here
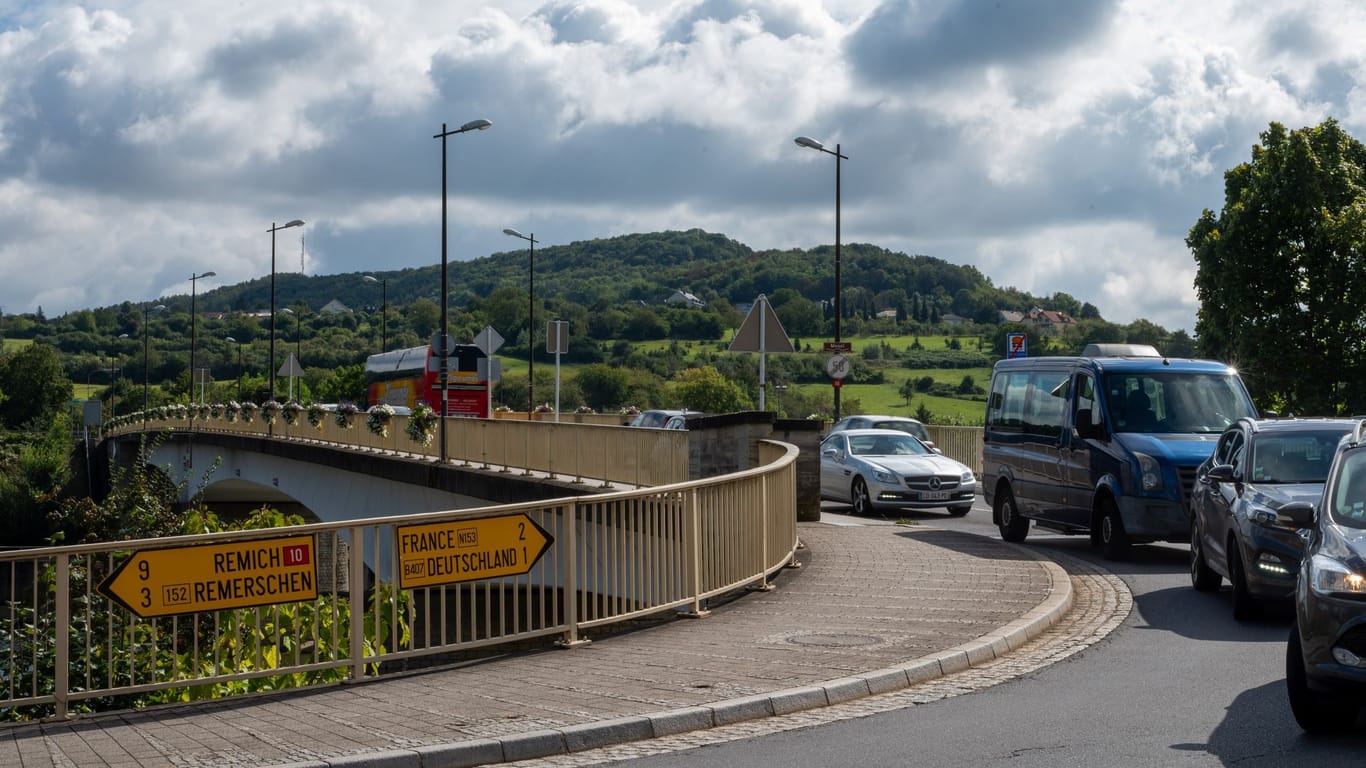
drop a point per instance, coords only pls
(1101, 603)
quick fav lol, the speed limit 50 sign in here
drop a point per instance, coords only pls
(837, 366)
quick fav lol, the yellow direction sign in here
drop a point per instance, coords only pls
(215, 577)
(469, 550)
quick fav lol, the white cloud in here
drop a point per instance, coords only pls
(144, 141)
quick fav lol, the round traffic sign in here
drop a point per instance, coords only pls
(837, 366)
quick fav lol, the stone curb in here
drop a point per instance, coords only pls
(577, 738)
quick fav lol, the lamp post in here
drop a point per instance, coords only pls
(146, 349)
(273, 229)
(530, 318)
(810, 143)
(443, 372)
(384, 311)
(194, 278)
(239, 365)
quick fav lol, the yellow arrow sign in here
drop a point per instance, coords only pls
(214, 577)
(469, 550)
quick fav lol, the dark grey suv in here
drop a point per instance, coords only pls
(1325, 660)
(1258, 466)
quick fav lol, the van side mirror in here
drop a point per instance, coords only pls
(1087, 429)
(1296, 514)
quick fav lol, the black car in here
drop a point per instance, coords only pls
(1257, 467)
(1325, 660)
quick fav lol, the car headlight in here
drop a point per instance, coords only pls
(967, 478)
(1149, 473)
(1331, 577)
(888, 478)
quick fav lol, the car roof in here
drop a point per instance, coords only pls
(1297, 424)
(880, 417)
(870, 431)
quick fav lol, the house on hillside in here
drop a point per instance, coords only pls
(334, 307)
(887, 313)
(1048, 320)
(1011, 316)
(951, 319)
(684, 299)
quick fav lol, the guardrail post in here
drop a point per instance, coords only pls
(62, 639)
(569, 576)
(693, 546)
(356, 595)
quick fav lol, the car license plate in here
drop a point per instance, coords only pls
(933, 495)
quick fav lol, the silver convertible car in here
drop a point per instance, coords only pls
(886, 469)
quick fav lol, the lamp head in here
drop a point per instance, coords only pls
(206, 274)
(229, 338)
(808, 142)
(476, 125)
(295, 223)
(370, 278)
(514, 233)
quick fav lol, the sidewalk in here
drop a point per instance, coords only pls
(874, 608)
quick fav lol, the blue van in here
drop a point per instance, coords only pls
(1106, 444)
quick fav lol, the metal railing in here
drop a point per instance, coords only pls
(68, 645)
(609, 454)
(961, 443)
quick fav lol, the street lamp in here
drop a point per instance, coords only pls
(384, 310)
(273, 229)
(443, 372)
(810, 143)
(530, 318)
(193, 278)
(146, 348)
(239, 365)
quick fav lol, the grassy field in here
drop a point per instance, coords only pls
(14, 345)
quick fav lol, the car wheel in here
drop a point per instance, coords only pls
(862, 500)
(960, 510)
(1013, 526)
(1113, 540)
(1245, 606)
(1203, 578)
(1315, 712)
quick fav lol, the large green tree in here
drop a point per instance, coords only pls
(35, 385)
(1281, 271)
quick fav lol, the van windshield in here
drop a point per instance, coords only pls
(1175, 402)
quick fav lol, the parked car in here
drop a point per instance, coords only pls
(656, 418)
(903, 423)
(1325, 659)
(1258, 466)
(887, 469)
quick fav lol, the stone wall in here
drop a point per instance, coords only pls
(728, 442)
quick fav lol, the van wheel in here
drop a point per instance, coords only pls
(1315, 712)
(1203, 578)
(863, 502)
(1113, 539)
(1013, 526)
(1245, 606)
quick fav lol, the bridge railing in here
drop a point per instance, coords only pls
(578, 452)
(69, 645)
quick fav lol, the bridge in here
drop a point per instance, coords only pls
(594, 525)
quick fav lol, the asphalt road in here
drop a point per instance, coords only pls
(1179, 683)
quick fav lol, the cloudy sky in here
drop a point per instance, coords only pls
(1057, 145)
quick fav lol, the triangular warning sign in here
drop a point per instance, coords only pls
(290, 368)
(761, 331)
